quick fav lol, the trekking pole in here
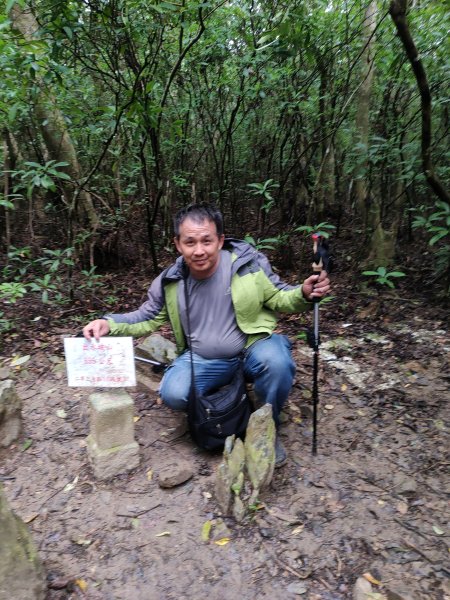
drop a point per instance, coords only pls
(157, 366)
(319, 264)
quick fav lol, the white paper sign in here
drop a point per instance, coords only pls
(106, 363)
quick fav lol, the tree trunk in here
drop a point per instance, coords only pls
(54, 130)
(324, 191)
(397, 10)
(7, 166)
(363, 110)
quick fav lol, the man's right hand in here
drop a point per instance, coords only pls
(96, 329)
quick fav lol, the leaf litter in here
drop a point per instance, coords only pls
(325, 520)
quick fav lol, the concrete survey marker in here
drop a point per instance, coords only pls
(111, 446)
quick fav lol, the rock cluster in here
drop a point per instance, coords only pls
(251, 462)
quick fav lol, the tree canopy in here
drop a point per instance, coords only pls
(286, 113)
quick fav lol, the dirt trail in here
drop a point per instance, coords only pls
(372, 501)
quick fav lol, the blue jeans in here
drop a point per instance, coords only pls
(267, 363)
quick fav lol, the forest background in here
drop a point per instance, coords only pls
(291, 115)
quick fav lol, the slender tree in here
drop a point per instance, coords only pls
(397, 10)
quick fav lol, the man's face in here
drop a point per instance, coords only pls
(200, 246)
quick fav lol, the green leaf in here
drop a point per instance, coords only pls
(10, 4)
(5, 24)
(64, 176)
(437, 237)
(6, 204)
(327, 299)
(12, 111)
(27, 443)
(68, 32)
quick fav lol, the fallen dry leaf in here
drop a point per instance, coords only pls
(297, 530)
(82, 542)
(371, 579)
(69, 487)
(30, 518)
(17, 361)
(81, 584)
(222, 541)
(437, 530)
(206, 530)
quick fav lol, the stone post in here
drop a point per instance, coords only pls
(111, 446)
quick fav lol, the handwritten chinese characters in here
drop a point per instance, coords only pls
(106, 363)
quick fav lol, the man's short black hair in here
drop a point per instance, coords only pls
(199, 212)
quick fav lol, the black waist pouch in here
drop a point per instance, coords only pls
(214, 416)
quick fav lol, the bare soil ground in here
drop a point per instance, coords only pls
(372, 502)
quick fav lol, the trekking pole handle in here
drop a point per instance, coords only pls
(317, 264)
(318, 257)
(322, 261)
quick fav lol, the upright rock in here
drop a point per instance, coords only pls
(230, 478)
(10, 413)
(22, 576)
(260, 449)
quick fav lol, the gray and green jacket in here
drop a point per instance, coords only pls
(257, 294)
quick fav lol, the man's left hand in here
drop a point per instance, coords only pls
(316, 286)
